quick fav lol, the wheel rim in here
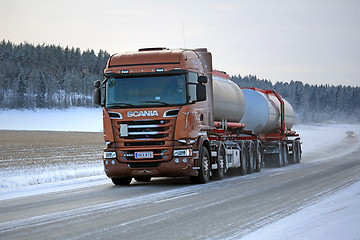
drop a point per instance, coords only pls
(221, 164)
(205, 165)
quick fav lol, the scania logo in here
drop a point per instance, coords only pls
(142, 113)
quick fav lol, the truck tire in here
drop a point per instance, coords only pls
(123, 181)
(204, 171)
(143, 179)
(259, 156)
(279, 157)
(293, 156)
(298, 151)
(285, 153)
(219, 173)
(252, 158)
(244, 155)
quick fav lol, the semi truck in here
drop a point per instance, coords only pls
(168, 113)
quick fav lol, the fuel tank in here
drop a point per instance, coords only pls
(262, 112)
(229, 101)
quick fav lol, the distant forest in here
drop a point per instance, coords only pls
(50, 76)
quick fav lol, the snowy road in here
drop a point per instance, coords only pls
(274, 204)
(175, 209)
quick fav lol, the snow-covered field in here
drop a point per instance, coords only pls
(313, 222)
(75, 119)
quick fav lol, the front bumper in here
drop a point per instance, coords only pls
(176, 167)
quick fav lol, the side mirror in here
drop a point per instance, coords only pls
(200, 92)
(97, 93)
(202, 79)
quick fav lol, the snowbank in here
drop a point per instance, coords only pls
(336, 217)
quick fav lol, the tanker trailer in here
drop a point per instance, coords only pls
(229, 147)
(271, 118)
(263, 112)
(254, 127)
(228, 99)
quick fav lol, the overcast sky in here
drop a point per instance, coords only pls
(314, 41)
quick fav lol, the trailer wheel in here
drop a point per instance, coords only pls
(298, 151)
(259, 156)
(204, 172)
(219, 173)
(285, 154)
(124, 181)
(279, 158)
(244, 155)
(251, 158)
(292, 157)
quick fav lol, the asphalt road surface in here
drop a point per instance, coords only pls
(172, 208)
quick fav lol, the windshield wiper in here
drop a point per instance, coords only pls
(121, 105)
(163, 103)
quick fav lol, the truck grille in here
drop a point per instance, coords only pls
(145, 135)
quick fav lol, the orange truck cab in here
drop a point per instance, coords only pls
(157, 107)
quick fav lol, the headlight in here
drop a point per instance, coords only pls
(109, 154)
(183, 153)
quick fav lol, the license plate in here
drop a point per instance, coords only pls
(144, 155)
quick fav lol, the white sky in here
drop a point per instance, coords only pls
(314, 41)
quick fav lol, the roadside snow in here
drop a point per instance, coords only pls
(27, 176)
(65, 185)
(315, 137)
(336, 217)
(74, 119)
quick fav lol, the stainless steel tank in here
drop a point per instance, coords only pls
(262, 112)
(229, 101)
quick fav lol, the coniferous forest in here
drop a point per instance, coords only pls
(50, 76)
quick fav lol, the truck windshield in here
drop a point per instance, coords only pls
(146, 91)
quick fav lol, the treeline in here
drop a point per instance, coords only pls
(313, 103)
(48, 76)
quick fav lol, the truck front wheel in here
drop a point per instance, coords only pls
(204, 171)
(124, 181)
